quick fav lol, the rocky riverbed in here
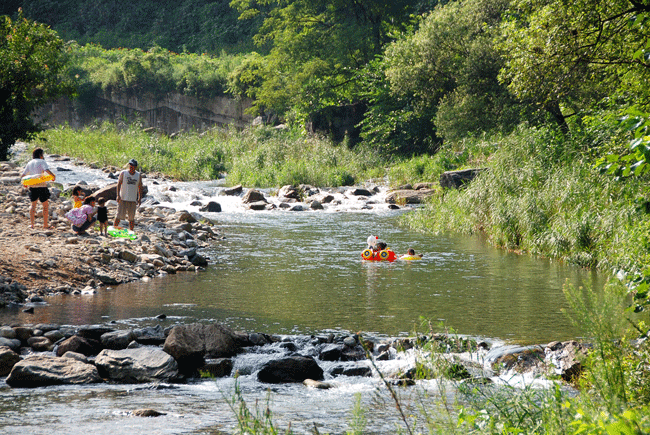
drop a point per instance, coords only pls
(39, 262)
(49, 354)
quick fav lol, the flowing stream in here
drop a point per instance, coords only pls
(295, 274)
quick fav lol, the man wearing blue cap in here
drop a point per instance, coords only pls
(129, 194)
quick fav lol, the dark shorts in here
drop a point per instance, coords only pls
(39, 194)
(102, 215)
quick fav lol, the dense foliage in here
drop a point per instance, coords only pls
(196, 26)
(31, 57)
(156, 71)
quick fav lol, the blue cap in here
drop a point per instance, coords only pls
(133, 162)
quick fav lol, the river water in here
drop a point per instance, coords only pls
(295, 274)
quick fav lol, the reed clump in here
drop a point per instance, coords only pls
(255, 157)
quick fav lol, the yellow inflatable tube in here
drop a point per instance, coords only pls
(410, 257)
(30, 180)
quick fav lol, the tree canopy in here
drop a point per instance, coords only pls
(565, 56)
(316, 49)
(31, 57)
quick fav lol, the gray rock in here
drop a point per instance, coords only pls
(290, 369)
(8, 358)
(189, 344)
(23, 332)
(47, 327)
(41, 370)
(106, 278)
(566, 358)
(162, 251)
(218, 368)
(117, 340)
(40, 344)
(253, 196)
(94, 332)
(331, 352)
(316, 205)
(75, 355)
(145, 364)
(361, 371)
(235, 190)
(457, 179)
(211, 207)
(150, 335)
(7, 332)
(80, 345)
(54, 336)
(289, 191)
(129, 256)
(361, 192)
(409, 196)
(12, 343)
(199, 260)
(317, 384)
(258, 205)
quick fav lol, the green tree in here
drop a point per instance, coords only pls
(316, 49)
(446, 73)
(565, 56)
(31, 57)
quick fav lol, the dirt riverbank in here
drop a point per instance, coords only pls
(39, 262)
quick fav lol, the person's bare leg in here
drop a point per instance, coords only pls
(46, 213)
(131, 225)
(32, 214)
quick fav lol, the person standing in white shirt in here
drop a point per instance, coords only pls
(129, 194)
(38, 192)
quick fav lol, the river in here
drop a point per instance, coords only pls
(294, 274)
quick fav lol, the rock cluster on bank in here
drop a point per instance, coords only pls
(38, 262)
(48, 354)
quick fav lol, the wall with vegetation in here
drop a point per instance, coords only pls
(170, 113)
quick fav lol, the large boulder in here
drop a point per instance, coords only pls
(512, 357)
(109, 192)
(140, 365)
(117, 340)
(8, 358)
(290, 369)
(150, 335)
(566, 358)
(331, 352)
(253, 196)
(80, 345)
(289, 192)
(190, 344)
(211, 207)
(232, 191)
(457, 179)
(93, 332)
(41, 370)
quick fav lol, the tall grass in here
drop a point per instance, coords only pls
(257, 157)
(542, 195)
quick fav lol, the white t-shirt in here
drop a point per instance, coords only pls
(36, 167)
(129, 188)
